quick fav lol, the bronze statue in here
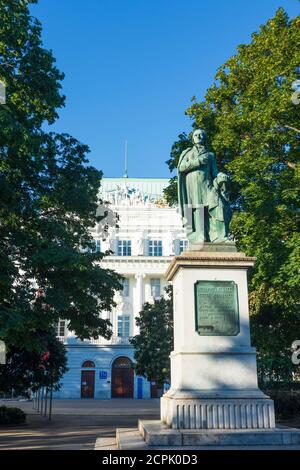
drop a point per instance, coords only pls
(202, 194)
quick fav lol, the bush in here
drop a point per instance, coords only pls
(11, 415)
(286, 402)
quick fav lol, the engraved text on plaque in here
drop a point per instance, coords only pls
(216, 308)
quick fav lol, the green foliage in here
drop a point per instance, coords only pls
(10, 415)
(29, 370)
(154, 343)
(178, 147)
(251, 125)
(48, 195)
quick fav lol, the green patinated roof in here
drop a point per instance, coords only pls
(151, 187)
(123, 178)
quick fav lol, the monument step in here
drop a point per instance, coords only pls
(131, 439)
(157, 434)
(106, 443)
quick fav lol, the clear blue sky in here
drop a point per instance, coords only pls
(132, 67)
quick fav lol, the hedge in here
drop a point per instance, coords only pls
(10, 415)
(286, 402)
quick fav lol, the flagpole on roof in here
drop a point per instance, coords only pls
(126, 154)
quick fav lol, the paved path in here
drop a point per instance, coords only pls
(76, 424)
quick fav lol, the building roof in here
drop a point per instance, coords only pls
(151, 188)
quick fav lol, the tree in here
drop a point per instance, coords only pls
(49, 200)
(251, 122)
(154, 343)
(29, 370)
(170, 192)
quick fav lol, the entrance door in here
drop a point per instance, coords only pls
(155, 391)
(87, 383)
(122, 378)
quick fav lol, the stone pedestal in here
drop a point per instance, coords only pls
(213, 366)
(214, 401)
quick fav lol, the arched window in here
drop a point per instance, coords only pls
(122, 363)
(88, 364)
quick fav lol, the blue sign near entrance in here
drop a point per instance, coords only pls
(102, 374)
(140, 387)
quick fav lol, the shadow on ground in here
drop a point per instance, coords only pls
(76, 424)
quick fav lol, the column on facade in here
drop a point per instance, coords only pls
(169, 242)
(139, 244)
(138, 300)
(147, 289)
(112, 242)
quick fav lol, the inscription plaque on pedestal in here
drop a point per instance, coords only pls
(216, 308)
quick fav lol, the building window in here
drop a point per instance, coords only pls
(182, 245)
(96, 248)
(155, 247)
(155, 288)
(123, 325)
(124, 247)
(125, 290)
(61, 328)
(88, 364)
(122, 363)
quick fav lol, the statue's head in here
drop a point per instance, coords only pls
(199, 136)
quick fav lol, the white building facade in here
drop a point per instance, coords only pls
(148, 234)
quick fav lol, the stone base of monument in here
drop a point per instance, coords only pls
(238, 409)
(214, 399)
(213, 365)
(156, 436)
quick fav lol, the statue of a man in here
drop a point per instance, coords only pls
(202, 194)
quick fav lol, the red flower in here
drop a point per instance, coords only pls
(45, 356)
